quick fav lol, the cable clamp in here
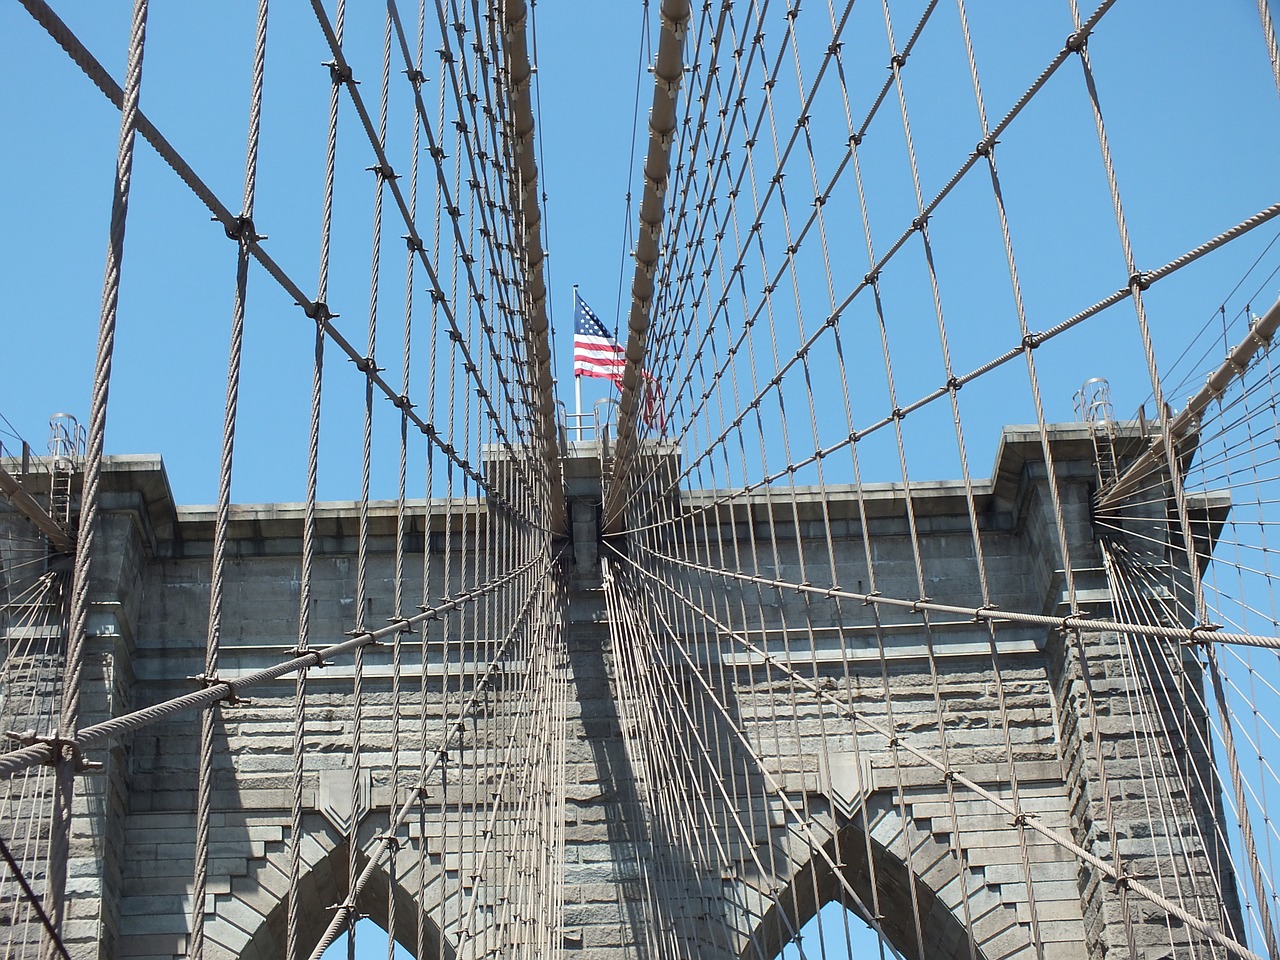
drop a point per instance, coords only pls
(871, 278)
(300, 651)
(677, 27)
(318, 311)
(242, 229)
(384, 171)
(338, 73)
(919, 223)
(63, 749)
(207, 681)
(391, 840)
(403, 402)
(898, 60)
(1077, 42)
(352, 913)
(367, 365)
(1207, 629)
(855, 139)
(1140, 280)
(954, 384)
(403, 622)
(868, 599)
(1030, 341)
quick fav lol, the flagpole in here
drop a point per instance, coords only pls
(577, 377)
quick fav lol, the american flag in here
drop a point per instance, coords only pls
(595, 353)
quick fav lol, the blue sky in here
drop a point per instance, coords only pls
(1192, 115)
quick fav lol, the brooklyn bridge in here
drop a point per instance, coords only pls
(903, 587)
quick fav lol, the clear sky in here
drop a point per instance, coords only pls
(1194, 116)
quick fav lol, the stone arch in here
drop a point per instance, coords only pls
(323, 884)
(815, 884)
(999, 930)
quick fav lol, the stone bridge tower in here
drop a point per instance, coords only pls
(846, 815)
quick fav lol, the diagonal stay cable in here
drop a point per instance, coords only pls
(1030, 820)
(983, 614)
(456, 728)
(233, 225)
(1033, 340)
(979, 152)
(391, 181)
(33, 898)
(42, 751)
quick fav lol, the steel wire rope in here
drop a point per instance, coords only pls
(1037, 340)
(1269, 37)
(346, 78)
(317, 312)
(624, 609)
(802, 823)
(78, 613)
(1127, 601)
(456, 728)
(54, 937)
(293, 905)
(1179, 497)
(985, 145)
(401, 529)
(204, 788)
(1048, 833)
(1220, 783)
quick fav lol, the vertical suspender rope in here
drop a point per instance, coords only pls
(78, 620)
(293, 948)
(208, 718)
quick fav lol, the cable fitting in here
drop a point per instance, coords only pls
(855, 140)
(299, 652)
(1140, 280)
(338, 73)
(383, 171)
(1203, 632)
(896, 414)
(206, 681)
(1077, 42)
(367, 365)
(1030, 342)
(954, 384)
(63, 749)
(919, 223)
(403, 403)
(242, 229)
(416, 76)
(871, 278)
(898, 60)
(319, 311)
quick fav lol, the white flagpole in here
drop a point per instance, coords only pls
(577, 377)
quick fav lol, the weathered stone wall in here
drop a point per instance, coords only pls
(1007, 706)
